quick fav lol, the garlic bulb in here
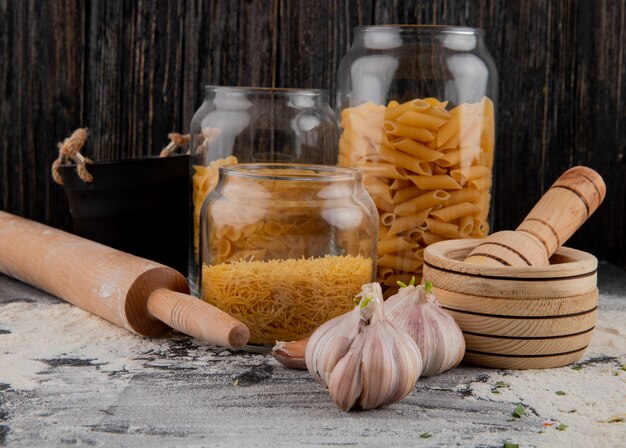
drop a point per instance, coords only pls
(362, 358)
(415, 310)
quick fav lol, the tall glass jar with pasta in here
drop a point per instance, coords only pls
(254, 124)
(284, 248)
(418, 117)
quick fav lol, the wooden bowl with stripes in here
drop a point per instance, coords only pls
(533, 317)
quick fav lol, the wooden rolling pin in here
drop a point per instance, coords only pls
(140, 295)
(558, 214)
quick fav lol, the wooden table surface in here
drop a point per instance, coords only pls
(69, 378)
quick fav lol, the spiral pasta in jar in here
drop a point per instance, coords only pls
(418, 119)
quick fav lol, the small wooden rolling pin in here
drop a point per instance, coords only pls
(140, 295)
(558, 214)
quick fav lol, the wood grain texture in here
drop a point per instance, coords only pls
(516, 317)
(129, 291)
(133, 71)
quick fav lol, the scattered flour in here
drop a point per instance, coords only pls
(39, 332)
(593, 394)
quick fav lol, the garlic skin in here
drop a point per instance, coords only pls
(415, 310)
(362, 358)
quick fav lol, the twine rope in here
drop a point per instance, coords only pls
(176, 141)
(69, 149)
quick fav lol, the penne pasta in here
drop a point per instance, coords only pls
(436, 182)
(396, 244)
(383, 205)
(431, 238)
(386, 170)
(421, 120)
(449, 130)
(414, 105)
(466, 225)
(414, 234)
(436, 103)
(480, 184)
(403, 130)
(444, 229)
(399, 184)
(398, 263)
(387, 219)
(405, 223)
(384, 273)
(464, 195)
(455, 211)
(421, 202)
(439, 170)
(405, 161)
(463, 175)
(417, 150)
(407, 193)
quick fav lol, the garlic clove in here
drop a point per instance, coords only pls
(409, 365)
(378, 367)
(346, 382)
(291, 354)
(329, 343)
(438, 336)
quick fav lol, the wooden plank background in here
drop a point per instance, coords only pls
(132, 71)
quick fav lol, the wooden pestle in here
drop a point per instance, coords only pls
(143, 296)
(558, 214)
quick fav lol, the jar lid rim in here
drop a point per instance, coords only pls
(330, 172)
(268, 90)
(444, 29)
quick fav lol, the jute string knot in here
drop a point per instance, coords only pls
(177, 141)
(69, 149)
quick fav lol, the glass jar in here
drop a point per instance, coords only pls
(286, 247)
(250, 124)
(418, 116)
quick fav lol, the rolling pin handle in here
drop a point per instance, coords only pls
(197, 318)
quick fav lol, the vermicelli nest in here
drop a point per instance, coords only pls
(283, 300)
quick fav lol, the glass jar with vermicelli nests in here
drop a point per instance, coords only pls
(255, 125)
(418, 118)
(286, 247)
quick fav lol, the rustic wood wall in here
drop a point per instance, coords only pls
(133, 70)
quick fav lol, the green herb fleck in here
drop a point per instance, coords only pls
(425, 435)
(571, 411)
(428, 286)
(510, 445)
(623, 367)
(541, 432)
(560, 392)
(401, 284)
(561, 427)
(518, 411)
(577, 367)
(499, 385)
